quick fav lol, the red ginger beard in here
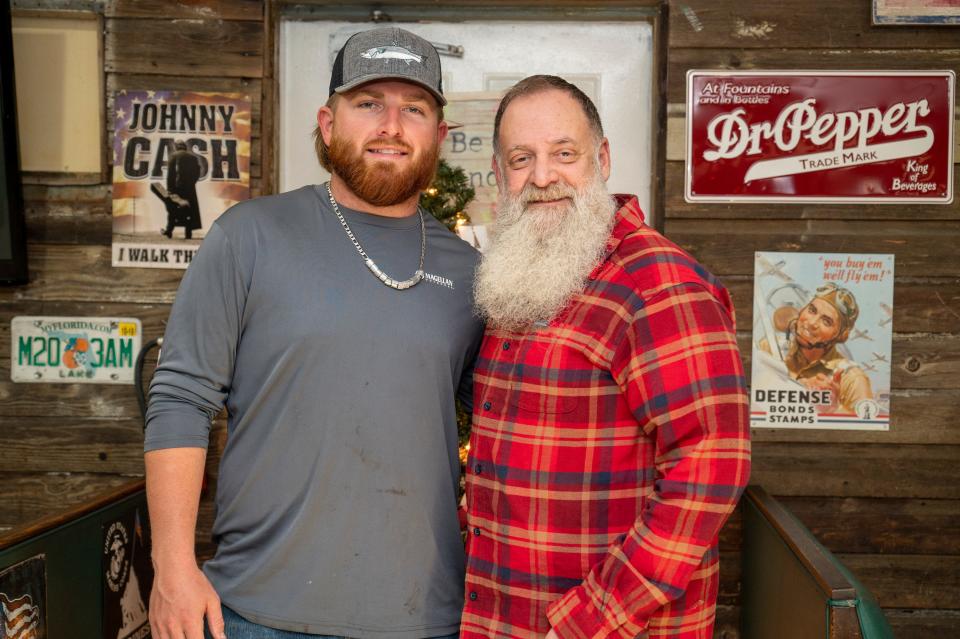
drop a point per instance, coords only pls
(380, 183)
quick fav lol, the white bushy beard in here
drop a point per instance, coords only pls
(538, 260)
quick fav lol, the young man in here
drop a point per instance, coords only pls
(812, 357)
(335, 324)
(610, 427)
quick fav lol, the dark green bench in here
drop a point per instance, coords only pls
(56, 571)
(793, 587)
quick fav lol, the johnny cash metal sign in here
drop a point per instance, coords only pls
(820, 136)
(180, 159)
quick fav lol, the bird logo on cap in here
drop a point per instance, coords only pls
(392, 53)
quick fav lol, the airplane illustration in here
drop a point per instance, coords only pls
(889, 311)
(868, 367)
(879, 357)
(858, 334)
(773, 269)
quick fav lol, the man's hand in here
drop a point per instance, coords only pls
(552, 635)
(179, 600)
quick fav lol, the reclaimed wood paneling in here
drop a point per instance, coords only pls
(186, 9)
(78, 446)
(923, 624)
(189, 47)
(934, 580)
(66, 402)
(726, 247)
(881, 526)
(858, 470)
(68, 214)
(823, 24)
(83, 274)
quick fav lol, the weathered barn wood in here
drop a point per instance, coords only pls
(917, 623)
(207, 47)
(936, 579)
(817, 24)
(180, 9)
(898, 526)
(922, 248)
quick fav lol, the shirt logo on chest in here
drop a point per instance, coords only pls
(438, 280)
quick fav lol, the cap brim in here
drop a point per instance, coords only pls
(389, 76)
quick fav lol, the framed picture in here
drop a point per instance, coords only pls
(820, 136)
(894, 12)
(13, 243)
(59, 62)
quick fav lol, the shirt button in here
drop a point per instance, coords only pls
(506, 346)
(476, 531)
(478, 469)
(486, 406)
(473, 596)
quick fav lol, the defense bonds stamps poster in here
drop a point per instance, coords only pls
(180, 159)
(822, 334)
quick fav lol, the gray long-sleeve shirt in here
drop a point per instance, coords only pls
(336, 503)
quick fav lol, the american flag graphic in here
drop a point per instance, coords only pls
(20, 617)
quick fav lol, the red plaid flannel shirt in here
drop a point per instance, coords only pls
(608, 448)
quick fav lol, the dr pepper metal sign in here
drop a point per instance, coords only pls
(820, 136)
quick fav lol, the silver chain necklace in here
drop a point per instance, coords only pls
(400, 285)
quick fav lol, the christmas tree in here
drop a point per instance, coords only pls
(449, 195)
(446, 200)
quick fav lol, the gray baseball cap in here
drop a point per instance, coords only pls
(387, 54)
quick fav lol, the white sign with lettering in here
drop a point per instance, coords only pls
(88, 350)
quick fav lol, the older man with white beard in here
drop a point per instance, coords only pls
(610, 425)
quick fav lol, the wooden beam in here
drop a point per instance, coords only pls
(858, 470)
(213, 47)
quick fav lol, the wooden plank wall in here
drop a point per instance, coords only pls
(887, 503)
(63, 444)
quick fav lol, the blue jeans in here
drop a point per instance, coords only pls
(237, 627)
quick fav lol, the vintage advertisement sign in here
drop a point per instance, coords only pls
(180, 159)
(469, 145)
(23, 599)
(820, 136)
(127, 577)
(88, 350)
(917, 12)
(822, 334)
